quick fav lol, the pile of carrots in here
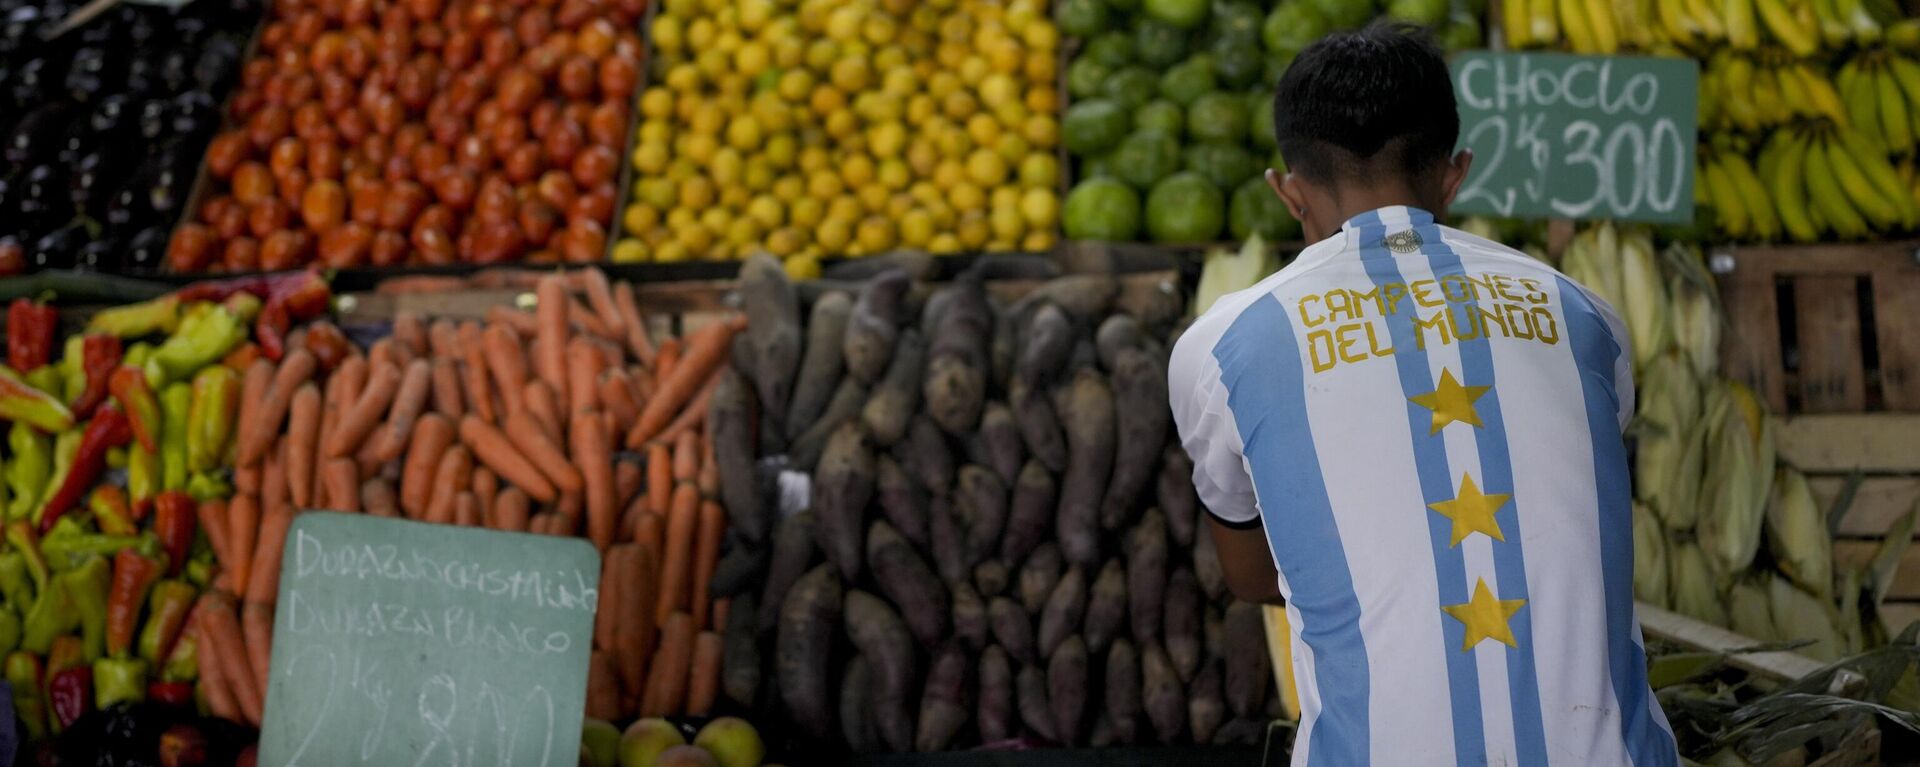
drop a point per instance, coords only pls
(510, 423)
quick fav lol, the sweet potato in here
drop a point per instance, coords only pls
(1122, 691)
(740, 656)
(1181, 624)
(873, 326)
(1206, 566)
(994, 709)
(1212, 631)
(943, 702)
(1086, 298)
(956, 378)
(1161, 693)
(998, 444)
(905, 580)
(901, 499)
(1038, 575)
(1036, 712)
(842, 486)
(1090, 444)
(969, 616)
(1249, 669)
(1107, 608)
(991, 577)
(739, 569)
(1030, 514)
(1177, 497)
(731, 421)
(980, 508)
(1140, 424)
(925, 456)
(792, 555)
(1242, 732)
(845, 406)
(1065, 609)
(773, 330)
(1147, 575)
(1044, 345)
(1039, 425)
(803, 647)
(1067, 689)
(1117, 333)
(882, 639)
(1205, 709)
(896, 397)
(1012, 629)
(947, 541)
(822, 363)
(859, 707)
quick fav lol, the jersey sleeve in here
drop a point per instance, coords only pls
(1207, 428)
(1623, 364)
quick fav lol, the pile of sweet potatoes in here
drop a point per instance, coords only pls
(997, 536)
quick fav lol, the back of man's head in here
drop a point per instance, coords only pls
(1359, 105)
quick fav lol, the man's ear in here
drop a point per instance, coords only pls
(1456, 174)
(1290, 192)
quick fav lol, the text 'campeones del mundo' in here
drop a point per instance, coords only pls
(1347, 325)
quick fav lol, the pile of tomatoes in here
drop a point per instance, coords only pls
(421, 132)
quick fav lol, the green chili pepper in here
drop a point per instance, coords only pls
(176, 428)
(9, 629)
(52, 614)
(31, 467)
(27, 678)
(48, 380)
(209, 422)
(68, 547)
(110, 511)
(160, 315)
(138, 354)
(183, 663)
(26, 543)
(15, 584)
(117, 681)
(167, 611)
(23, 402)
(206, 487)
(200, 340)
(87, 585)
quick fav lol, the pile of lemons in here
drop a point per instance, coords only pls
(826, 128)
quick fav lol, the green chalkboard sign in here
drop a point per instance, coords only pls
(402, 643)
(1583, 137)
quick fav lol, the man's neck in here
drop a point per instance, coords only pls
(1353, 202)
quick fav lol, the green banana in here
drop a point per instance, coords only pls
(1885, 180)
(1763, 221)
(1789, 189)
(1906, 72)
(1829, 198)
(1784, 26)
(1727, 202)
(1743, 32)
(1895, 120)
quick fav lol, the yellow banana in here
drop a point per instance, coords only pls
(1866, 29)
(1895, 119)
(1634, 19)
(1545, 22)
(1824, 99)
(1712, 27)
(1763, 221)
(1874, 165)
(1738, 76)
(1790, 30)
(1518, 28)
(1829, 200)
(1857, 91)
(1767, 98)
(1604, 29)
(1677, 24)
(1906, 72)
(1904, 34)
(1742, 33)
(1577, 28)
(1727, 203)
(1793, 92)
(1788, 184)
(1770, 154)
(1880, 212)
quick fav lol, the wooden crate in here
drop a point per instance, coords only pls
(1883, 451)
(1820, 329)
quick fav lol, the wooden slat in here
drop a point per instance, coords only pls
(1857, 552)
(1896, 615)
(1826, 259)
(1872, 442)
(1832, 375)
(1670, 626)
(1878, 503)
(1750, 347)
(1896, 302)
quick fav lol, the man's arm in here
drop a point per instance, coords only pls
(1247, 561)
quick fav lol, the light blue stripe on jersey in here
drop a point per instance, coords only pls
(1260, 366)
(1595, 352)
(1496, 476)
(1436, 486)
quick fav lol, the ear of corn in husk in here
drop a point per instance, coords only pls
(1749, 406)
(1731, 509)
(1643, 293)
(1694, 319)
(1670, 447)
(1692, 583)
(1798, 615)
(1649, 557)
(1797, 534)
(1750, 606)
(1583, 262)
(1227, 272)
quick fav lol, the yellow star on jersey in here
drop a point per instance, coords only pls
(1472, 511)
(1450, 402)
(1485, 616)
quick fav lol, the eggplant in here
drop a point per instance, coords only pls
(147, 250)
(218, 63)
(89, 74)
(36, 137)
(153, 119)
(58, 249)
(102, 255)
(42, 200)
(112, 118)
(195, 115)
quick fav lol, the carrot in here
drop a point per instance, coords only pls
(214, 686)
(372, 454)
(359, 421)
(213, 520)
(593, 453)
(665, 362)
(628, 480)
(243, 525)
(650, 530)
(466, 509)
(612, 597)
(518, 321)
(694, 414)
(659, 477)
(550, 322)
(486, 486)
(677, 555)
(720, 608)
(593, 283)
(386, 352)
(447, 399)
(505, 458)
(583, 371)
(667, 685)
(241, 357)
(431, 436)
(410, 332)
(453, 476)
(603, 687)
(709, 480)
(508, 362)
(539, 404)
(273, 486)
(546, 455)
(246, 480)
(707, 349)
(569, 508)
(616, 395)
(341, 477)
(686, 456)
(635, 635)
(637, 341)
(510, 511)
(224, 644)
(376, 496)
(303, 433)
(706, 555)
(263, 584)
(443, 339)
(703, 677)
(294, 370)
(409, 401)
(256, 624)
(351, 377)
(579, 314)
(479, 395)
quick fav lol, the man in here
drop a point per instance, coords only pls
(1421, 429)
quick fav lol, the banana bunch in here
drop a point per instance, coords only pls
(1825, 178)
(1750, 92)
(1881, 89)
(1734, 191)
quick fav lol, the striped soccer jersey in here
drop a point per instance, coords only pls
(1429, 426)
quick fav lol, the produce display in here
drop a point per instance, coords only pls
(1680, 28)
(424, 132)
(105, 125)
(1002, 542)
(724, 742)
(1171, 120)
(824, 128)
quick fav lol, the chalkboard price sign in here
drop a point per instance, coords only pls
(1583, 137)
(402, 643)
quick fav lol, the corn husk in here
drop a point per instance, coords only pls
(1731, 509)
(1583, 262)
(1750, 607)
(1754, 412)
(1692, 583)
(1671, 445)
(1797, 534)
(1694, 319)
(1798, 615)
(1643, 292)
(1227, 272)
(1649, 557)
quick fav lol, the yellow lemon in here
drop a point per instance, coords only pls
(973, 229)
(716, 219)
(700, 148)
(827, 100)
(681, 218)
(696, 238)
(1012, 147)
(629, 251)
(751, 59)
(983, 129)
(956, 28)
(650, 158)
(1042, 131)
(656, 132)
(974, 69)
(767, 210)
(744, 231)
(949, 174)
(789, 52)
(735, 197)
(709, 119)
(920, 107)
(1041, 68)
(759, 174)
(1008, 225)
(824, 185)
(893, 57)
(833, 234)
(925, 192)
(887, 139)
(916, 228)
(894, 174)
(1040, 169)
(774, 115)
(820, 55)
(655, 237)
(943, 83)
(943, 244)
(1043, 36)
(786, 241)
(959, 105)
(1006, 57)
(657, 192)
(943, 214)
(873, 198)
(922, 157)
(1037, 241)
(875, 234)
(898, 204)
(1041, 208)
(726, 167)
(713, 62)
(845, 208)
(802, 268)
(755, 14)
(807, 212)
(1011, 114)
(967, 197)
(701, 33)
(1003, 197)
(954, 144)
(789, 188)
(814, 159)
(878, 29)
(851, 74)
(656, 103)
(842, 125)
(844, 23)
(781, 151)
(986, 168)
(683, 78)
(999, 88)
(744, 133)
(670, 252)
(640, 217)
(795, 85)
(682, 8)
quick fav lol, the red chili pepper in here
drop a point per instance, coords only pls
(70, 695)
(108, 429)
(288, 298)
(99, 358)
(270, 330)
(329, 346)
(171, 693)
(30, 330)
(129, 387)
(133, 575)
(175, 520)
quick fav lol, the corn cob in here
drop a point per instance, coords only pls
(1649, 557)
(1694, 593)
(1797, 534)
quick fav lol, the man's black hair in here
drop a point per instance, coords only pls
(1378, 99)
